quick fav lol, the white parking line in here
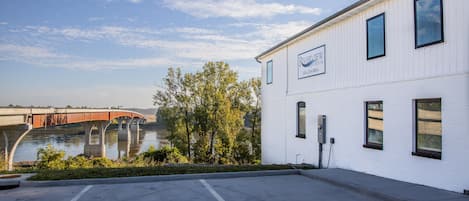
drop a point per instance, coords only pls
(211, 190)
(82, 192)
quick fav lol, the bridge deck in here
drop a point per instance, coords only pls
(44, 117)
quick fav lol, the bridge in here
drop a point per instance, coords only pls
(16, 123)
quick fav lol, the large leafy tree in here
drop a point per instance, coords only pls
(209, 107)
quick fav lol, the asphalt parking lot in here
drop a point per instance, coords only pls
(271, 188)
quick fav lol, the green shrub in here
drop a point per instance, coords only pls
(164, 155)
(50, 158)
(102, 163)
(3, 163)
(78, 162)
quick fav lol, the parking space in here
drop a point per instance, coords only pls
(171, 190)
(272, 188)
(277, 188)
(41, 193)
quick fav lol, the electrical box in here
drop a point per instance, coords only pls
(322, 129)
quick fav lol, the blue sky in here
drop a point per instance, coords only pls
(103, 53)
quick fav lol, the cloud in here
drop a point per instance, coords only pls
(185, 46)
(135, 1)
(100, 96)
(3, 23)
(99, 33)
(18, 51)
(273, 33)
(99, 64)
(237, 8)
(47, 58)
(93, 19)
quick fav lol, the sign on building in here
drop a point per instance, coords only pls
(312, 62)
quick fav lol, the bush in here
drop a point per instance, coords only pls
(164, 155)
(3, 163)
(50, 158)
(102, 163)
(78, 162)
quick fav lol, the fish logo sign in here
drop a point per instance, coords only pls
(311, 62)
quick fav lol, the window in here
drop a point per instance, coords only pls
(374, 125)
(375, 37)
(301, 119)
(269, 76)
(428, 16)
(428, 128)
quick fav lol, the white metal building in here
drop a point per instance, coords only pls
(391, 78)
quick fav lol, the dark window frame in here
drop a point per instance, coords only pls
(420, 152)
(300, 104)
(441, 29)
(384, 37)
(367, 144)
(267, 73)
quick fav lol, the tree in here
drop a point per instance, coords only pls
(175, 102)
(209, 108)
(255, 117)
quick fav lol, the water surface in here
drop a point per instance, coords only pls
(73, 144)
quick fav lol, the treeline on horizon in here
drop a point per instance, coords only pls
(211, 116)
(66, 107)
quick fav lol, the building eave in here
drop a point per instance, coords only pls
(313, 27)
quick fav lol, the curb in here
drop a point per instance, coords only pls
(361, 190)
(175, 177)
(6, 184)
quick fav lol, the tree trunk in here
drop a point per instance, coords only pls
(188, 134)
(212, 139)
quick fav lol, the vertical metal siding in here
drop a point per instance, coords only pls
(346, 63)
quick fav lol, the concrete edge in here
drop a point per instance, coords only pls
(4, 185)
(157, 178)
(13, 182)
(352, 187)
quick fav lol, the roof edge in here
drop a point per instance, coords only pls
(314, 26)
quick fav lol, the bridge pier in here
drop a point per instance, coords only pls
(10, 138)
(135, 138)
(124, 133)
(97, 150)
(128, 137)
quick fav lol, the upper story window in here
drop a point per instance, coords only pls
(374, 125)
(428, 130)
(269, 73)
(375, 37)
(301, 119)
(428, 16)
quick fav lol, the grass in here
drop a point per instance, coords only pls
(147, 171)
(19, 171)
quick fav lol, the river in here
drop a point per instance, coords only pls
(73, 143)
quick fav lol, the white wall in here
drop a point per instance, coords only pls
(404, 74)
(273, 136)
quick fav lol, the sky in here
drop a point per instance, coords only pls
(103, 53)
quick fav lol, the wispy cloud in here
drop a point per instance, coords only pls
(135, 1)
(237, 8)
(47, 58)
(94, 19)
(99, 64)
(3, 23)
(100, 33)
(18, 51)
(185, 46)
(97, 96)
